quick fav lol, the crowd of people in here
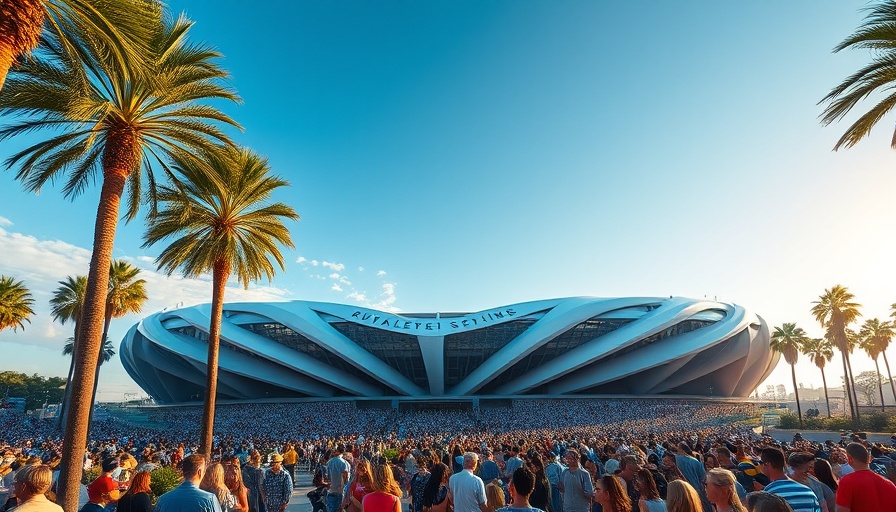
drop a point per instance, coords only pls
(583, 455)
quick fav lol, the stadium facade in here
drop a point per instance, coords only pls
(560, 347)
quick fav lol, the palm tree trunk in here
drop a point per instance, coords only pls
(889, 376)
(219, 280)
(119, 158)
(847, 390)
(22, 33)
(99, 362)
(796, 394)
(852, 385)
(824, 383)
(880, 384)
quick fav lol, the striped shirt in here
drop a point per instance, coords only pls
(797, 495)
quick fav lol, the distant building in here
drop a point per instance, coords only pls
(558, 347)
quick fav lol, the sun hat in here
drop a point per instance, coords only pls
(276, 458)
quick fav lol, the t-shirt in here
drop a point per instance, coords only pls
(577, 490)
(468, 491)
(519, 509)
(866, 490)
(336, 467)
(798, 496)
(379, 502)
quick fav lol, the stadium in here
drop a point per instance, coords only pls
(569, 347)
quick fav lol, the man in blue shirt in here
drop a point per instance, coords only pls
(188, 497)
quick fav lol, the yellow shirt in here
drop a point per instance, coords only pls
(290, 457)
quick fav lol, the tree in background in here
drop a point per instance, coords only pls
(33, 388)
(820, 351)
(220, 219)
(834, 310)
(874, 337)
(867, 383)
(877, 34)
(15, 304)
(788, 339)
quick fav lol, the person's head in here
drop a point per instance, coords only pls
(110, 465)
(102, 491)
(494, 497)
(571, 458)
(800, 462)
(276, 463)
(470, 460)
(710, 461)
(721, 489)
(214, 477)
(629, 465)
(857, 453)
(823, 472)
(771, 461)
(645, 484)
(766, 502)
(33, 480)
(193, 467)
(383, 480)
(669, 460)
(254, 458)
(233, 478)
(362, 473)
(723, 455)
(682, 497)
(522, 482)
(439, 473)
(140, 483)
(536, 464)
(609, 493)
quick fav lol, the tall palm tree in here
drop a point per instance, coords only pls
(120, 27)
(788, 339)
(107, 120)
(107, 354)
(15, 304)
(820, 351)
(66, 306)
(220, 219)
(874, 338)
(834, 310)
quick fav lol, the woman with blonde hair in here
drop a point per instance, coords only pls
(137, 498)
(360, 486)
(233, 479)
(682, 497)
(385, 495)
(213, 482)
(494, 497)
(608, 491)
(722, 491)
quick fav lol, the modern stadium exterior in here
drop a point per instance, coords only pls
(579, 346)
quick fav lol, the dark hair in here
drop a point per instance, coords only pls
(648, 485)
(191, 465)
(825, 474)
(858, 452)
(523, 481)
(766, 502)
(619, 499)
(431, 490)
(772, 456)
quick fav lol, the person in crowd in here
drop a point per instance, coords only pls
(290, 458)
(553, 472)
(137, 497)
(360, 486)
(682, 497)
(213, 482)
(761, 501)
(710, 461)
(821, 469)
(233, 479)
(100, 493)
(417, 483)
(692, 469)
(799, 463)
(521, 486)
(494, 497)
(338, 470)
(31, 485)
(575, 485)
(797, 495)
(863, 490)
(721, 491)
(385, 495)
(277, 486)
(629, 466)
(435, 494)
(489, 470)
(513, 463)
(611, 495)
(670, 467)
(466, 491)
(649, 499)
(252, 478)
(188, 497)
(541, 493)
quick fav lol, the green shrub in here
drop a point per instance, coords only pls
(788, 420)
(163, 479)
(839, 423)
(91, 474)
(390, 453)
(875, 422)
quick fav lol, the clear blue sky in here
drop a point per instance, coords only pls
(470, 154)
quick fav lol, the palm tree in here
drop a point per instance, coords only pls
(220, 220)
(834, 310)
(874, 338)
(788, 340)
(820, 351)
(15, 304)
(66, 305)
(120, 26)
(108, 349)
(106, 119)
(875, 79)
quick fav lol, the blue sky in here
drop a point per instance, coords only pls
(456, 156)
